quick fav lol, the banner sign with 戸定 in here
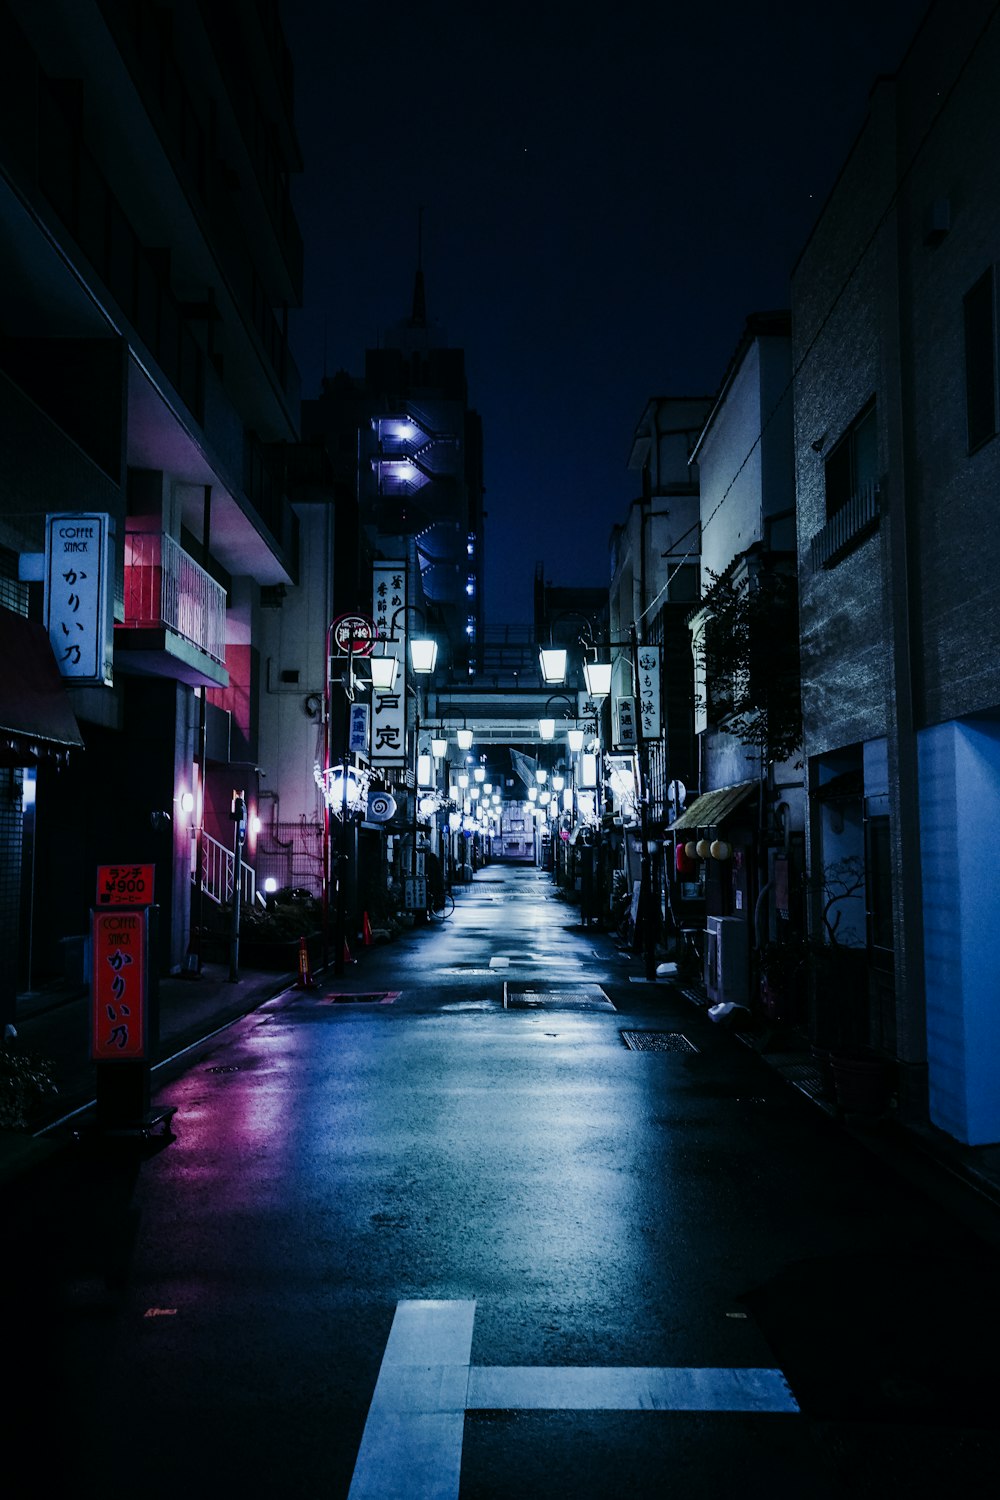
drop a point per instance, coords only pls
(388, 731)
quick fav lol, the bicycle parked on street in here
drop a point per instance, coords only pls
(440, 905)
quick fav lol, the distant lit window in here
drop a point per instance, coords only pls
(979, 307)
(470, 585)
(470, 545)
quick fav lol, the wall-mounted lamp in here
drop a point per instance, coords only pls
(439, 746)
(547, 729)
(187, 802)
(464, 737)
(541, 775)
(574, 738)
(558, 782)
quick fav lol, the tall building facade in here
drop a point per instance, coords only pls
(148, 257)
(418, 449)
(897, 471)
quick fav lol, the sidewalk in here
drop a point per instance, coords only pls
(54, 1024)
(911, 1149)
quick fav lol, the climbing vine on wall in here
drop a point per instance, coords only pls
(750, 654)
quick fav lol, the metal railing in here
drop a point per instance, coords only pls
(217, 864)
(856, 519)
(166, 587)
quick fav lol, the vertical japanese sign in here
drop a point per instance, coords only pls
(388, 743)
(650, 717)
(118, 1025)
(626, 738)
(78, 604)
(359, 728)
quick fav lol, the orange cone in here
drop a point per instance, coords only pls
(366, 928)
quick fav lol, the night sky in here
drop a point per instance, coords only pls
(607, 192)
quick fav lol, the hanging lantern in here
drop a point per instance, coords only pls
(719, 849)
(690, 849)
(702, 848)
(683, 862)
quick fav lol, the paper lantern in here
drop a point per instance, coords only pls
(720, 849)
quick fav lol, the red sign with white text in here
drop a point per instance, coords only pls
(125, 885)
(118, 988)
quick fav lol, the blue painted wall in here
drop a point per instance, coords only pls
(960, 850)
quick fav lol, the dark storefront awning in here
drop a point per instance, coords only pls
(713, 808)
(36, 721)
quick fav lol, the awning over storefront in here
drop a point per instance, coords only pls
(36, 721)
(711, 809)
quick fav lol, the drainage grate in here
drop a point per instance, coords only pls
(657, 1041)
(379, 997)
(579, 997)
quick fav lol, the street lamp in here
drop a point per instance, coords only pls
(552, 663)
(597, 675)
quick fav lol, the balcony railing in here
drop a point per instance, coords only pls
(164, 587)
(218, 867)
(846, 528)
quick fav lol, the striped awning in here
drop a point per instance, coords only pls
(712, 808)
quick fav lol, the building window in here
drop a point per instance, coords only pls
(852, 466)
(979, 308)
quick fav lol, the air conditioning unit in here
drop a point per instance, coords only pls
(726, 960)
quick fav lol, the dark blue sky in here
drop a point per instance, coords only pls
(607, 193)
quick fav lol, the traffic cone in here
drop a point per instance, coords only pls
(366, 929)
(305, 980)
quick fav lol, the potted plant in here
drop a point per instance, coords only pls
(25, 1080)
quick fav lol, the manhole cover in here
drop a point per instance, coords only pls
(379, 997)
(657, 1041)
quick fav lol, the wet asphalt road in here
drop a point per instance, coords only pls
(212, 1317)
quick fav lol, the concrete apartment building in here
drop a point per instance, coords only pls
(897, 452)
(148, 256)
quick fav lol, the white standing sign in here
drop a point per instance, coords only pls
(78, 604)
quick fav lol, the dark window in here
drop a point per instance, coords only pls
(853, 464)
(981, 360)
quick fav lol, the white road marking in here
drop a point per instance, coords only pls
(411, 1448)
(412, 1443)
(576, 1388)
